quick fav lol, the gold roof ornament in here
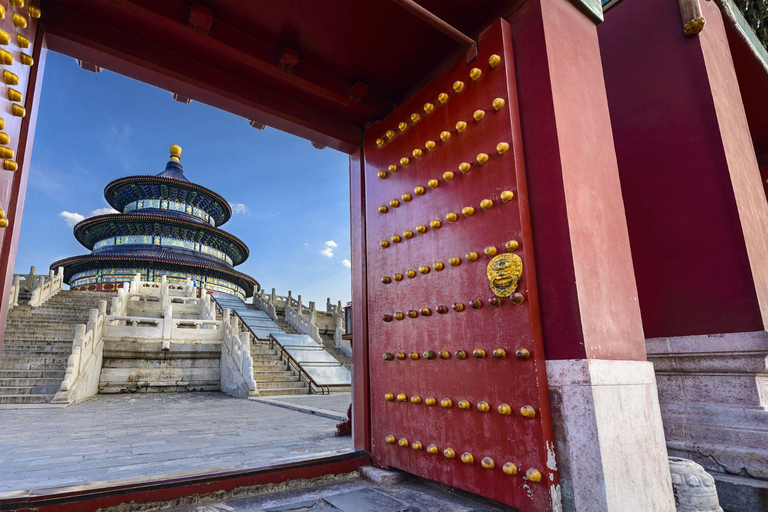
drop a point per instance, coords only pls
(175, 152)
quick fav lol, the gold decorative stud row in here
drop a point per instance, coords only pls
(451, 217)
(445, 136)
(3, 219)
(442, 98)
(526, 411)
(516, 298)
(478, 353)
(434, 183)
(453, 261)
(12, 79)
(508, 468)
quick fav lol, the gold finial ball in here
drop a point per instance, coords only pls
(448, 175)
(175, 152)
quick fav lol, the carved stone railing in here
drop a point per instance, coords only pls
(307, 319)
(40, 288)
(236, 361)
(81, 379)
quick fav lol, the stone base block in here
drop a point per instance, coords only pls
(609, 438)
(741, 494)
(383, 476)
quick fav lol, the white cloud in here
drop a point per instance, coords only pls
(71, 218)
(240, 209)
(329, 246)
(306, 244)
(346, 263)
(102, 211)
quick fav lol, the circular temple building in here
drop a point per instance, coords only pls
(167, 226)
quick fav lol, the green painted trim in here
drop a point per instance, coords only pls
(592, 8)
(746, 29)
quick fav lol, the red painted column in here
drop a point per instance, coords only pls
(591, 321)
(587, 289)
(696, 210)
(13, 186)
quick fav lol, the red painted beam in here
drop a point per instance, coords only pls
(132, 56)
(84, 499)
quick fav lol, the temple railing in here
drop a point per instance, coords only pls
(39, 288)
(81, 379)
(236, 361)
(307, 319)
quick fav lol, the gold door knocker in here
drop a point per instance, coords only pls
(504, 273)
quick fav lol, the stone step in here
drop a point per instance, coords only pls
(29, 382)
(258, 374)
(36, 351)
(25, 399)
(32, 374)
(276, 378)
(281, 384)
(283, 391)
(32, 365)
(108, 387)
(267, 367)
(29, 390)
(37, 345)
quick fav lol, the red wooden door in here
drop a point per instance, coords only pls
(457, 376)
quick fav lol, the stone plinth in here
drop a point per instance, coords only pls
(713, 390)
(608, 436)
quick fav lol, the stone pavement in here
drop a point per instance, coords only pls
(118, 437)
(355, 495)
(333, 406)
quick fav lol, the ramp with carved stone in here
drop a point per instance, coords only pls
(276, 353)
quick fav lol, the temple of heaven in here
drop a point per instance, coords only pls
(167, 226)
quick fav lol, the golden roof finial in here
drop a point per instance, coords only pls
(175, 152)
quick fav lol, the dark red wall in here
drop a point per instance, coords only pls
(690, 259)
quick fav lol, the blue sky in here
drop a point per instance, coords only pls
(291, 200)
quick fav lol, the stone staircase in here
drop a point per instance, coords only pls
(38, 342)
(272, 375)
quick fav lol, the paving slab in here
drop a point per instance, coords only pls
(114, 437)
(347, 495)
